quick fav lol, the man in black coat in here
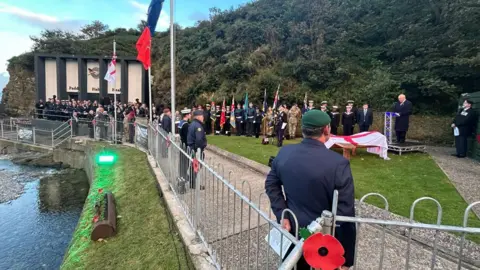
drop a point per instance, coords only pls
(239, 118)
(309, 173)
(208, 122)
(403, 110)
(167, 120)
(364, 118)
(464, 126)
(183, 131)
(196, 140)
(250, 119)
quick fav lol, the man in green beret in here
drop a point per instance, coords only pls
(309, 173)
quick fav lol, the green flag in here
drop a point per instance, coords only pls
(245, 105)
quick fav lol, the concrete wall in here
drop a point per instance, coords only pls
(50, 78)
(134, 81)
(72, 76)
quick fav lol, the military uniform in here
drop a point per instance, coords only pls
(348, 122)
(218, 115)
(257, 123)
(239, 118)
(196, 140)
(250, 121)
(227, 126)
(335, 115)
(303, 178)
(208, 122)
(465, 121)
(293, 121)
(309, 108)
(280, 128)
(183, 131)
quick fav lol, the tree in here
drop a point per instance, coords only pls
(94, 30)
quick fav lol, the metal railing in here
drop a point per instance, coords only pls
(233, 225)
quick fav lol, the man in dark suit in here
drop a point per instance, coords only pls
(464, 126)
(364, 118)
(403, 110)
(309, 174)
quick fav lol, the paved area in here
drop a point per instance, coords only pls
(464, 173)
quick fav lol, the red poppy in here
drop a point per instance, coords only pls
(323, 251)
(95, 219)
(168, 141)
(100, 190)
(196, 165)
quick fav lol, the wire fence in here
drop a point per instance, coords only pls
(239, 230)
(235, 227)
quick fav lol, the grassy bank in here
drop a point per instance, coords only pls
(402, 180)
(146, 238)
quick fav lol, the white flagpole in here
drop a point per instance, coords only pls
(150, 87)
(172, 62)
(114, 96)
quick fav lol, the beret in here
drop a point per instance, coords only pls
(315, 119)
(350, 101)
(198, 113)
(207, 105)
(324, 102)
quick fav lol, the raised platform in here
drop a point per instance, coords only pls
(407, 147)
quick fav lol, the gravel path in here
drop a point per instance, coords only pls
(230, 229)
(464, 173)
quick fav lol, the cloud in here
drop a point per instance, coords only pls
(197, 16)
(12, 44)
(142, 11)
(39, 20)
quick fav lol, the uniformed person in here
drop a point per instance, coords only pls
(250, 119)
(239, 118)
(257, 123)
(335, 115)
(351, 103)
(208, 122)
(403, 110)
(196, 140)
(293, 115)
(309, 173)
(281, 125)
(218, 116)
(464, 122)
(309, 108)
(183, 131)
(227, 126)
(348, 121)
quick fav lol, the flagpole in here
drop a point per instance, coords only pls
(172, 61)
(150, 92)
(114, 98)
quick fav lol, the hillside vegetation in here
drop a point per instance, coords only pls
(333, 50)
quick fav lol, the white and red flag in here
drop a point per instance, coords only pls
(110, 76)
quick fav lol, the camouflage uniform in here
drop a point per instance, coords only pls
(293, 121)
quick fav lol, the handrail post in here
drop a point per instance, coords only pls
(53, 141)
(33, 135)
(2, 128)
(16, 128)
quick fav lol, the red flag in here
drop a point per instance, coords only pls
(223, 119)
(143, 48)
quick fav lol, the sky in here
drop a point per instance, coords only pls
(20, 19)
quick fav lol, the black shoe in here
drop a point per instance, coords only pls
(454, 155)
(461, 156)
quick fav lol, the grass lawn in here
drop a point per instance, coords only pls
(145, 239)
(402, 180)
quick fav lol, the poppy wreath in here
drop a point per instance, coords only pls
(323, 252)
(195, 165)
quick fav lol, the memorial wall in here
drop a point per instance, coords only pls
(82, 77)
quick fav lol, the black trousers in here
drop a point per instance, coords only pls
(208, 126)
(91, 132)
(280, 132)
(131, 132)
(249, 128)
(239, 127)
(400, 136)
(363, 127)
(184, 163)
(461, 145)
(334, 130)
(347, 130)
(191, 171)
(218, 128)
(256, 129)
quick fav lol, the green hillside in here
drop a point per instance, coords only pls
(334, 50)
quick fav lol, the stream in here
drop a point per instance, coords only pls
(39, 210)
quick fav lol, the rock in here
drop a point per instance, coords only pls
(39, 160)
(19, 94)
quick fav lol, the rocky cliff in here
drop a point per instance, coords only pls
(19, 94)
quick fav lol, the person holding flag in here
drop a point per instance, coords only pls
(227, 126)
(239, 119)
(232, 114)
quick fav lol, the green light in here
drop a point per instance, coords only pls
(105, 159)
